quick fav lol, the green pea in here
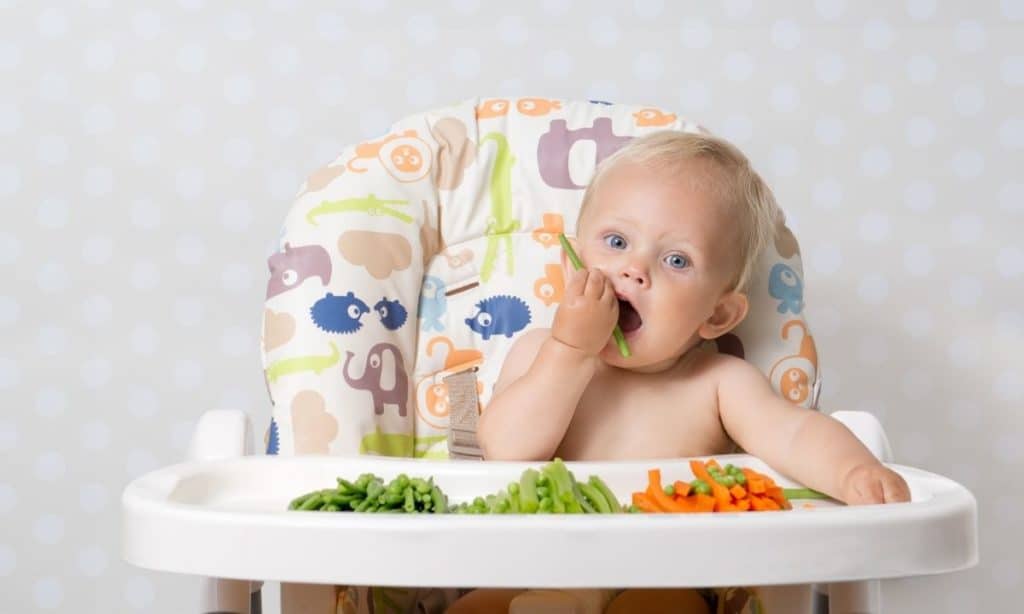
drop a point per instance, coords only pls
(670, 490)
(728, 481)
(741, 479)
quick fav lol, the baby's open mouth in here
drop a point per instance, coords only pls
(629, 319)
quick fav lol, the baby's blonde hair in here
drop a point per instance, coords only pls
(737, 185)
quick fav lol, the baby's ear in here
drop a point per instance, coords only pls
(729, 312)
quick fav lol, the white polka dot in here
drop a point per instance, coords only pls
(52, 23)
(99, 56)
(648, 9)
(10, 54)
(965, 291)
(964, 351)
(830, 10)
(1011, 70)
(95, 435)
(139, 592)
(284, 58)
(145, 339)
(92, 561)
(786, 34)
(876, 161)
(1011, 198)
(738, 66)
(331, 27)
(10, 248)
(10, 311)
(921, 10)
(513, 30)
(8, 560)
(555, 8)
(694, 96)
(53, 88)
(52, 340)
(737, 128)
(139, 461)
(189, 182)
(48, 593)
(188, 311)
(1008, 386)
(785, 161)
(830, 130)
(146, 24)
(52, 150)
(374, 122)
(145, 275)
(53, 277)
(237, 341)
(237, 26)
(917, 322)
(969, 100)
(558, 64)
(50, 466)
(282, 183)
(969, 36)
(465, 62)
(921, 68)
(189, 249)
(238, 89)
(737, 9)
(147, 87)
(284, 121)
(878, 35)
(604, 31)
(966, 228)
(145, 214)
(237, 277)
(828, 193)
(99, 181)
(876, 98)
(96, 372)
(917, 259)
(236, 215)
(873, 288)
(92, 497)
(917, 383)
(422, 29)
(919, 195)
(827, 321)
(10, 180)
(421, 90)
(97, 119)
(188, 374)
(53, 213)
(967, 164)
(1010, 324)
(695, 33)
(647, 66)
(1012, 9)
(10, 373)
(191, 57)
(825, 258)
(1011, 133)
(180, 434)
(51, 402)
(376, 60)
(1010, 261)
(785, 98)
(237, 152)
(48, 529)
(10, 118)
(96, 311)
(920, 131)
(332, 91)
(146, 150)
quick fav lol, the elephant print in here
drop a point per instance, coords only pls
(384, 376)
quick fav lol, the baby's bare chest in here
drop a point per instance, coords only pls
(639, 416)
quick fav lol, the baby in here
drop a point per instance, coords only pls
(670, 230)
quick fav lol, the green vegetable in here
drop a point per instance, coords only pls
(620, 340)
(597, 500)
(803, 493)
(528, 491)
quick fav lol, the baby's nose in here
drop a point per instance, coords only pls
(635, 274)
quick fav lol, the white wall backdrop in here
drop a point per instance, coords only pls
(149, 151)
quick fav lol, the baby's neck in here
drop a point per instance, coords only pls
(677, 366)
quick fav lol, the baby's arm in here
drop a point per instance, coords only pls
(546, 373)
(806, 445)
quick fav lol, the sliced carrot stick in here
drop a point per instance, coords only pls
(705, 503)
(682, 488)
(642, 501)
(721, 493)
(738, 491)
(712, 463)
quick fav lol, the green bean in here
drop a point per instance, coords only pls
(437, 497)
(410, 499)
(363, 505)
(421, 485)
(297, 501)
(609, 496)
(529, 491)
(543, 491)
(374, 489)
(597, 500)
(312, 503)
(332, 508)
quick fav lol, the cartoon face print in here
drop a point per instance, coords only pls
(784, 284)
(392, 314)
(339, 314)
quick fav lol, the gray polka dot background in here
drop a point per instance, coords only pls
(150, 152)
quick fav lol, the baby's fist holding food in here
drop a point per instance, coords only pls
(873, 483)
(588, 312)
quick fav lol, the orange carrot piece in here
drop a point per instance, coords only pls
(771, 505)
(721, 493)
(738, 491)
(657, 493)
(682, 488)
(642, 501)
(743, 505)
(712, 463)
(756, 487)
(757, 503)
(705, 503)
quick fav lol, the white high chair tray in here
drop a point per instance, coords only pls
(228, 519)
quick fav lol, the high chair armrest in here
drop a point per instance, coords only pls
(869, 431)
(220, 433)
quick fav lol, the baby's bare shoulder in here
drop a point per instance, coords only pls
(521, 356)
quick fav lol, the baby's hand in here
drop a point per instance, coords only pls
(873, 483)
(588, 312)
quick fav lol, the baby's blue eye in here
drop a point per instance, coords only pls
(615, 241)
(677, 261)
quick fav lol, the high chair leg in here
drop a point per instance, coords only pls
(854, 597)
(220, 596)
(308, 598)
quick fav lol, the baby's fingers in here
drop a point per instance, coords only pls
(895, 489)
(595, 284)
(577, 282)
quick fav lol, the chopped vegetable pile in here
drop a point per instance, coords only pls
(552, 490)
(370, 494)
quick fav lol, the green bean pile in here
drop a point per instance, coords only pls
(369, 493)
(552, 490)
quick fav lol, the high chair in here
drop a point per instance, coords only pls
(405, 270)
